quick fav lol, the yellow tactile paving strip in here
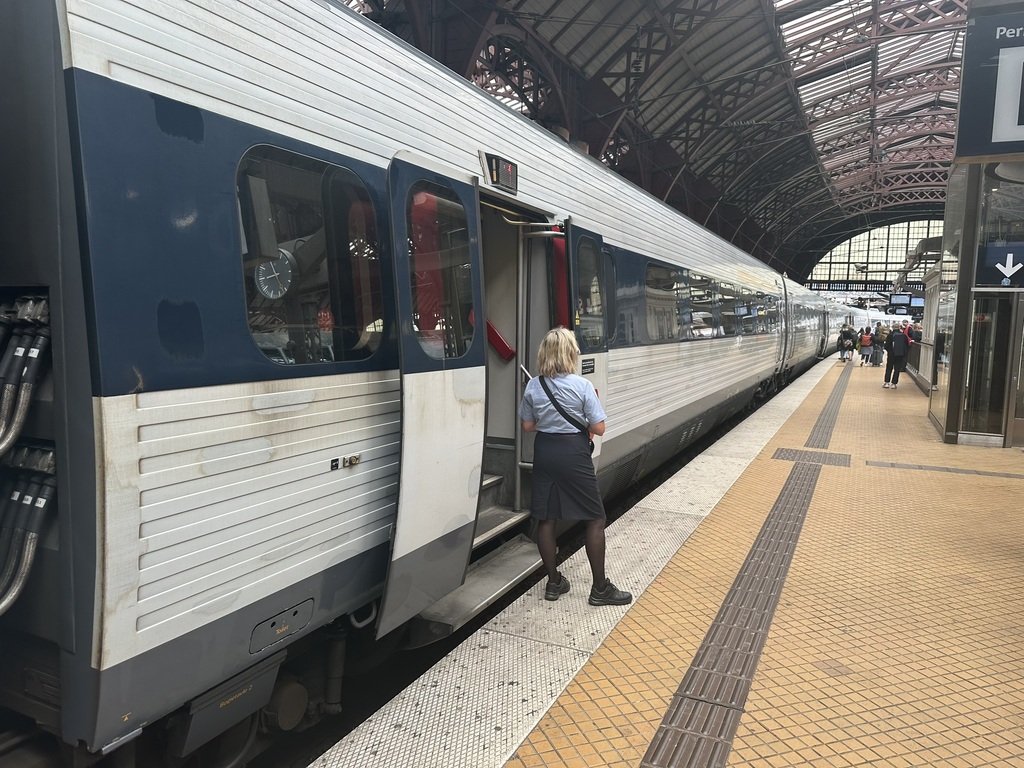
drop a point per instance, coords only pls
(899, 636)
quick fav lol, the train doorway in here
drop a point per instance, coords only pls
(526, 293)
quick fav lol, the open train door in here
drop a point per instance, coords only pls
(442, 335)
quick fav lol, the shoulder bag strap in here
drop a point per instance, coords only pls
(559, 408)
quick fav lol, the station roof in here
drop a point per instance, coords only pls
(787, 126)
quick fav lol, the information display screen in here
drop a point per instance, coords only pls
(900, 299)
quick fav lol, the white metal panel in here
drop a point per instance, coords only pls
(450, 405)
(213, 498)
(647, 383)
(326, 76)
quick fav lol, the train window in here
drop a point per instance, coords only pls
(703, 324)
(746, 312)
(441, 271)
(684, 305)
(771, 313)
(727, 320)
(310, 259)
(590, 297)
(611, 300)
(661, 301)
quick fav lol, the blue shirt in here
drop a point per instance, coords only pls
(575, 394)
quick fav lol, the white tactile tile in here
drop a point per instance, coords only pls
(475, 706)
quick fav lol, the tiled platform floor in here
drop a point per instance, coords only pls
(899, 636)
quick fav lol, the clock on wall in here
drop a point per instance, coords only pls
(274, 278)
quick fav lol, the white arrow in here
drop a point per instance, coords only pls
(1009, 267)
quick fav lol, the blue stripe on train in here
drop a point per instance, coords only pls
(161, 242)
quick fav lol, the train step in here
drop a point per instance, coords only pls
(487, 580)
(494, 521)
(490, 489)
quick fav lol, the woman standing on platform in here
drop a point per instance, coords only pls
(865, 345)
(563, 409)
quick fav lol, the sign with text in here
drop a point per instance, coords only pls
(991, 117)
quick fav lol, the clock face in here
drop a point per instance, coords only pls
(274, 278)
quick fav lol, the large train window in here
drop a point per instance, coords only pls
(661, 299)
(590, 304)
(310, 259)
(771, 313)
(703, 324)
(747, 319)
(441, 271)
(727, 319)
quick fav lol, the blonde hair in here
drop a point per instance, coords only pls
(558, 353)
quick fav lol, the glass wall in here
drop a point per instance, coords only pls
(956, 205)
(873, 260)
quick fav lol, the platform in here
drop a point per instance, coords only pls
(827, 585)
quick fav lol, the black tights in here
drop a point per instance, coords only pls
(594, 546)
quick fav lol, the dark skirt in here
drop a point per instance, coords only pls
(564, 483)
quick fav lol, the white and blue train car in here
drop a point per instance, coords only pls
(294, 271)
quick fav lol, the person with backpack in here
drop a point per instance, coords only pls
(847, 338)
(878, 344)
(898, 346)
(866, 342)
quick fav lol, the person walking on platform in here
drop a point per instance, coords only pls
(563, 409)
(897, 345)
(847, 338)
(865, 345)
(878, 344)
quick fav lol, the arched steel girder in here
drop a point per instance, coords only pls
(809, 208)
(624, 58)
(893, 130)
(750, 170)
(674, 52)
(799, 259)
(536, 57)
(820, 168)
(915, 83)
(897, 156)
(870, 201)
(833, 53)
(693, 16)
(814, 53)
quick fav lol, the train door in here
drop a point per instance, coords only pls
(525, 288)
(441, 343)
(592, 293)
(778, 322)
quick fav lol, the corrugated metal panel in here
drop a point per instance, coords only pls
(216, 497)
(647, 383)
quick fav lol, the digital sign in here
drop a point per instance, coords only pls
(503, 173)
(900, 299)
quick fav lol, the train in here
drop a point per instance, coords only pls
(279, 280)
